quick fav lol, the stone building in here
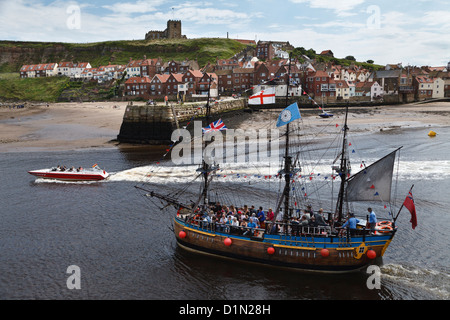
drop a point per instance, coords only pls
(173, 31)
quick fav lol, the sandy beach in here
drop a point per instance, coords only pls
(67, 126)
(60, 126)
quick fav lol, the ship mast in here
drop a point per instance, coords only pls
(343, 171)
(287, 158)
(205, 169)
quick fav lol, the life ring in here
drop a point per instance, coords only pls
(384, 229)
(385, 223)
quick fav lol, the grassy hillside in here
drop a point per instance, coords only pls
(32, 89)
(14, 54)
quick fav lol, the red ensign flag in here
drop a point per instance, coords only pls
(409, 204)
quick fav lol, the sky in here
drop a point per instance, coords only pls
(411, 32)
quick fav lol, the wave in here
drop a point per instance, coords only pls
(408, 170)
(434, 282)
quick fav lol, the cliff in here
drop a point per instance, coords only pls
(14, 54)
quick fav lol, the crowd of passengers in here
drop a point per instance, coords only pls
(64, 168)
(248, 219)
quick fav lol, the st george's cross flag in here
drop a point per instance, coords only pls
(288, 115)
(215, 126)
(409, 204)
(263, 97)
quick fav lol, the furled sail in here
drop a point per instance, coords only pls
(373, 183)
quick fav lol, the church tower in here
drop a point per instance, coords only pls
(174, 29)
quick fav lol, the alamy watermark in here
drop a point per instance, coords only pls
(373, 22)
(73, 21)
(374, 280)
(228, 146)
(74, 280)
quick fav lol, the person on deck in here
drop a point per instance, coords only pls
(261, 217)
(351, 223)
(319, 220)
(250, 225)
(372, 220)
(270, 215)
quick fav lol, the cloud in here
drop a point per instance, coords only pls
(134, 7)
(341, 8)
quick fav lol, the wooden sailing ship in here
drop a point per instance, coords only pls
(323, 248)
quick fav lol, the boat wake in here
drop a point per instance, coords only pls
(430, 170)
(434, 282)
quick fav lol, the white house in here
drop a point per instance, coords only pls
(280, 90)
(351, 88)
(369, 89)
(88, 73)
(376, 90)
(77, 68)
(39, 70)
(438, 88)
(65, 69)
(51, 69)
(133, 69)
(342, 89)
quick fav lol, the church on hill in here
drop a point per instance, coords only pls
(173, 31)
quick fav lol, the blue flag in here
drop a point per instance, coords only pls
(288, 115)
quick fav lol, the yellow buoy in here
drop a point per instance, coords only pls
(432, 133)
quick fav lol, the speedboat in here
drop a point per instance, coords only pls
(72, 174)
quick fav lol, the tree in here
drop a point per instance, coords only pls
(370, 61)
(350, 58)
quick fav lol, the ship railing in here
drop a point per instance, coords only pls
(296, 229)
(321, 230)
(206, 226)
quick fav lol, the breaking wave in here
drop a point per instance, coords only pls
(436, 283)
(409, 170)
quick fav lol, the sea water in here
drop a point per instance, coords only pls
(125, 249)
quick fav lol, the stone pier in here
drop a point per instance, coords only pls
(154, 124)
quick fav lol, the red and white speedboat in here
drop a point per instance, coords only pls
(72, 174)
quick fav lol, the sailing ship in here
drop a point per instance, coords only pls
(286, 243)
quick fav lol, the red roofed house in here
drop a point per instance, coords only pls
(227, 64)
(192, 78)
(327, 53)
(319, 84)
(39, 70)
(173, 81)
(342, 89)
(225, 80)
(65, 68)
(423, 87)
(138, 87)
(204, 84)
(264, 72)
(77, 69)
(88, 73)
(158, 85)
(243, 79)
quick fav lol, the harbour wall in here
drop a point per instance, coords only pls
(154, 124)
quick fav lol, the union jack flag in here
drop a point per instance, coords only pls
(215, 126)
